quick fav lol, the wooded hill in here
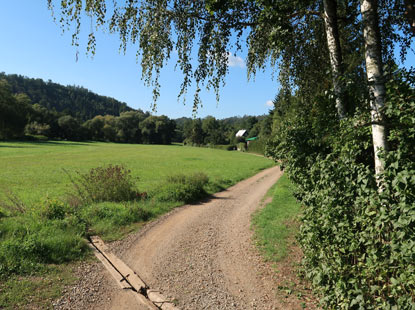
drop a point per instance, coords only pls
(34, 109)
(76, 101)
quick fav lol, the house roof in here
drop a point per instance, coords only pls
(252, 139)
(240, 133)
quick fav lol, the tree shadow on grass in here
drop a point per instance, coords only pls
(28, 144)
(13, 146)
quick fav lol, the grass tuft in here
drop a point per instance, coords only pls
(28, 242)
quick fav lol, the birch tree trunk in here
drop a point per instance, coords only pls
(335, 53)
(410, 13)
(374, 71)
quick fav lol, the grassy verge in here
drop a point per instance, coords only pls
(275, 228)
(275, 224)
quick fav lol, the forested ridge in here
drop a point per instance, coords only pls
(76, 101)
(34, 109)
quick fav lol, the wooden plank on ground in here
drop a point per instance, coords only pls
(120, 272)
(119, 265)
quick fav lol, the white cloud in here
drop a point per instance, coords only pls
(235, 61)
(269, 103)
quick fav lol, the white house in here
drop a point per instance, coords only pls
(241, 133)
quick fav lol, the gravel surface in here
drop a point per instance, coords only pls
(201, 256)
(93, 288)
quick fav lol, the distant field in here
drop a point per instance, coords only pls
(34, 170)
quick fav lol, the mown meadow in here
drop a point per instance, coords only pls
(54, 194)
(33, 170)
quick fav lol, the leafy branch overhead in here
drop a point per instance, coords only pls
(308, 39)
(203, 32)
(160, 27)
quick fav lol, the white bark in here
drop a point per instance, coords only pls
(333, 44)
(410, 13)
(374, 71)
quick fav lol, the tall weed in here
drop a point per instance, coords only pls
(12, 204)
(107, 183)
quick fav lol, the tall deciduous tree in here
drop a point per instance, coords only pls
(13, 112)
(374, 71)
(410, 13)
(335, 54)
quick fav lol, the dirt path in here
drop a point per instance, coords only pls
(203, 256)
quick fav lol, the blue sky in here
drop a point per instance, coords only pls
(34, 46)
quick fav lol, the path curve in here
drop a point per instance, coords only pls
(203, 256)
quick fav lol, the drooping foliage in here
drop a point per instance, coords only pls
(204, 33)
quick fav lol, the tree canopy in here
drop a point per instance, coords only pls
(204, 33)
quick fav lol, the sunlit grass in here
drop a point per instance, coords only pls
(276, 223)
(33, 170)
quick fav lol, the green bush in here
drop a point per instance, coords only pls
(182, 188)
(54, 209)
(217, 185)
(241, 146)
(358, 242)
(108, 183)
(257, 146)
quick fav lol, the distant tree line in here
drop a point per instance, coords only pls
(19, 118)
(33, 108)
(211, 131)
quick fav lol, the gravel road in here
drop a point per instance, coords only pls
(202, 256)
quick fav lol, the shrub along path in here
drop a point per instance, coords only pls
(202, 256)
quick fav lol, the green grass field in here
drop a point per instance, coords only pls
(33, 170)
(39, 245)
